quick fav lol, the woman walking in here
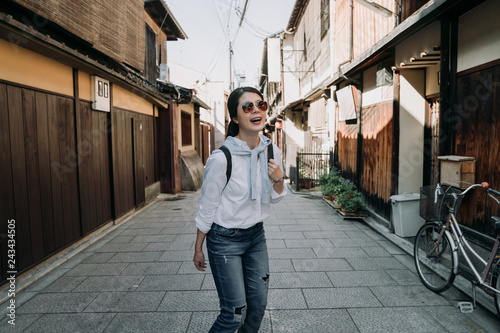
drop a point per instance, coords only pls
(231, 214)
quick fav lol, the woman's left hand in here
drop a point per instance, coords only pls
(274, 170)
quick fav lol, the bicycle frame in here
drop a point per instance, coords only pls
(451, 223)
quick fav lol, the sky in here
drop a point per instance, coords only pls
(211, 24)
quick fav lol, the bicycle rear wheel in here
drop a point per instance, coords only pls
(434, 258)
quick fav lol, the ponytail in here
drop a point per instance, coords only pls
(233, 129)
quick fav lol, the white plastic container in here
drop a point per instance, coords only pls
(406, 214)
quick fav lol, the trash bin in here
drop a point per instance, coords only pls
(406, 214)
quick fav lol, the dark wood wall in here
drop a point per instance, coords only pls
(94, 167)
(39, 173)
(347, 148)
(376, 157)
(477, 124)
(57, 182)
(123, 159)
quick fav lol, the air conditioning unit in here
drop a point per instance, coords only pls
(100, 94)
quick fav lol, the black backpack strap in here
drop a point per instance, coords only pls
(226, 152)
(270, 152)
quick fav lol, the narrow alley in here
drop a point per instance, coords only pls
(327, 275)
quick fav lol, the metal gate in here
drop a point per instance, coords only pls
(310, 166)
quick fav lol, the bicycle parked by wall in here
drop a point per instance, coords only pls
(437, 244)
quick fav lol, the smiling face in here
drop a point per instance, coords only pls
(253, 121)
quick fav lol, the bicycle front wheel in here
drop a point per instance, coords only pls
(434, 258)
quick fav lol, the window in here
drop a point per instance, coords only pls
(186, 129)
(150, 62)
(325, 17)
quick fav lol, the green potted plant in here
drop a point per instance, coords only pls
(351, 201)
(329, 183)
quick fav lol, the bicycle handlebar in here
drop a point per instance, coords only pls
(483, 185)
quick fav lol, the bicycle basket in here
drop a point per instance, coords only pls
(437, 210)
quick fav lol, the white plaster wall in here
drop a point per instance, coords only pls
(479, 36)
(373, 94)
(411, 137)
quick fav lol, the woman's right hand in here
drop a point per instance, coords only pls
(199, 261)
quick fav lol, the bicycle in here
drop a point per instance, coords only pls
(439, 239)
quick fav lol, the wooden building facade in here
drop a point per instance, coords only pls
(422, 79)
(70, 166)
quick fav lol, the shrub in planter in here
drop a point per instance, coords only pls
(329, 182)
(351, 201)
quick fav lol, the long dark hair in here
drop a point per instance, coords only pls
(232, 105)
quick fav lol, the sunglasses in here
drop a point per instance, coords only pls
(248, 106)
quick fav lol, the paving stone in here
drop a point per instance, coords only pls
(455, 321)
(151, 268)
(285, 235)
(142, 231)
(376, 251)
(361, 279)
(407, 296)
(321, 265)
(337, 252)
(371, 264)
(208, 283)
(97, 269)
(157, 247)
(299, 227)
(177, 256)
(149, 322)
(109, 283)
(394, 320)
(330, 234)
(171, 282)
(300, 280)
(390, 247)
(21, 323)
(310, 243)
(202, 321)
(137, 301)
(317, 321)
(122, 247)
(204, 300)
(353, 242)
(153, 238)
(404, 277)
(275, 243)
(280, 265)
(286, 299)
(72, 322)
(188, 267)
(136, 257)
(290, 253)
(335, 298)
(64, 284)
(57, 303)
(98, 257)
(336, 226)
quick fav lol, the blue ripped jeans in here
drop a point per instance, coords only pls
(240, 267)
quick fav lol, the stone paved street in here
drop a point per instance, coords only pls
(327, 275)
